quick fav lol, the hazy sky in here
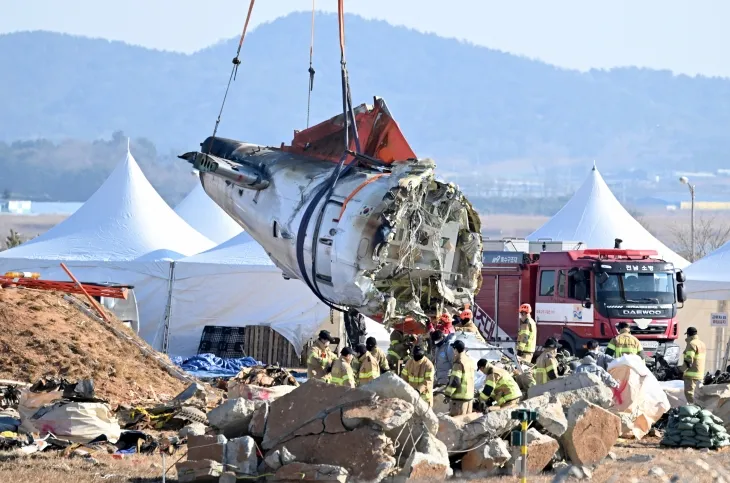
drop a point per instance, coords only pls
(680, 35)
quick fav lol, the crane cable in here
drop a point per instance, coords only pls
(234, 71)
(311, 69)
(328, 186)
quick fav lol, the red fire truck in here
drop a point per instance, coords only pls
(580, 294)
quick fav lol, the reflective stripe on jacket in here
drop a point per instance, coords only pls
(527, 335)
(623, 343)
(546, 367)
(501, 387)
(368, 369)
(461, 379)
(342, 373)
(381, 359)
(694, 358)
(419, 375)
(320, 356)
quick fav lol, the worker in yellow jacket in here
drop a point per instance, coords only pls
(419, 374)
(342, 373)
(467, 325)
(624, 343)
(693, 364)
(546, 366)
(320, 357)
(501, 387)
(526, 334)
(460, 389)
(367, 367)
(372, 346)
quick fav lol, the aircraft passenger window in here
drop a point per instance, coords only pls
(547, 282)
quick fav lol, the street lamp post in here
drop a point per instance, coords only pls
(685, 180)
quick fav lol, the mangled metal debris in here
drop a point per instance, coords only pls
(384, 237)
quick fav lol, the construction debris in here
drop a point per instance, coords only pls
(591, 434)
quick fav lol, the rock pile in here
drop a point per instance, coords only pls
(694, 427)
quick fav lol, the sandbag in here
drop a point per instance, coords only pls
(688, 411)
(686, 426)
(691, 427)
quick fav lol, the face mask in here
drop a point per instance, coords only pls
(418, 357)
(465, 321)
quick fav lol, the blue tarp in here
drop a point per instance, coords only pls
(210, 365)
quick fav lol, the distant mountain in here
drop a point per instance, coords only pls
(455, 102)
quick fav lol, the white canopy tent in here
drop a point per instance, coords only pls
(236, 284)
(203, 214)
(709, 277)
(595, 217)
(125, 233)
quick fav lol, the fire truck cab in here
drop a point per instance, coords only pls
(578, 294)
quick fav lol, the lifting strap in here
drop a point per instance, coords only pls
(236, 62)
(311, 69)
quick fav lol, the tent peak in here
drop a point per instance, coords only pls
(594, 166)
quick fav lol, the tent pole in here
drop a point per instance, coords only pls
(168, 309)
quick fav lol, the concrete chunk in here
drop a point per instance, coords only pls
(387, 413)
(194, 429)
(540, 451)
(592, 432)
(206, 471)
(241, 454)
(600, 395)
(207, 447)
(233, 417)
(571, 382)
(552, 419)
(424, 467)
(257, 426)
(333, 423)
(488, 459)
(389, 385)
(311, 472)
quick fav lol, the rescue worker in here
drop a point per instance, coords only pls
(500, 387)
(443, 356)
(367, 367)
(602, 359)
(546, 366)
(418, 373)
(588, 364)
(320, 357)
(624, 343)
(342, 373)
(400, 349)
(444, 324)
(693, 364)
(460, 390)
(526, 334)
(467, 324)
(372, 346)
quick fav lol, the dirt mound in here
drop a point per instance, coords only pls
(41, 334)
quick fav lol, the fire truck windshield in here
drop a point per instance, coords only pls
(657, 288)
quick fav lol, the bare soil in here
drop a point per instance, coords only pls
(41, 334)
(28, 226)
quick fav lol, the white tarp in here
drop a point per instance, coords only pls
(236, 285)
(125, 233)
(203, 214)
(595, 217)
(709, 277)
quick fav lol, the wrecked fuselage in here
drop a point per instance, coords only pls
(391, 242)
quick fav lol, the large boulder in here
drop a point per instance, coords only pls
(205, 471)
(600, 395)
(257, 426)
(551, 418)
(308, 472)
(311, 401)
(451, 429)
(425, 467)
(389, 385)
(233, 417)
(366, 453)
(571, 382)
(592, 432)
(386, 413)
(207, 447)
(488, 459)
(241, 454)
(540, 451)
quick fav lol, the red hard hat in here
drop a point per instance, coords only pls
(466, 313)
(445, 318)
(526, 308)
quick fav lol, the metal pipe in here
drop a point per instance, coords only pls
(239, 174)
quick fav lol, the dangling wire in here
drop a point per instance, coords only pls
(311, 69)
(236, 62)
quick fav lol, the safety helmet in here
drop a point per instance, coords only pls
(526, 308)
(445, 318)
(466, 314)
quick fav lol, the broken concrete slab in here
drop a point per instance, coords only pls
(592, 432)
(205, 471)
(430, 445)
(194, 429)
(312, 400)
(257, 426)
(316, 426)
(571, 382)
(424, 467)
(487, 459)
(333, 422)
(207, 447)
(541, 449)
(241, 454)
(193, 395)
(366, 453)
(387, 413)
(273, 460)
(389, 385)
(600, 395)
(233, 417)
(310, 472)
(551, 418)
(451, 429)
